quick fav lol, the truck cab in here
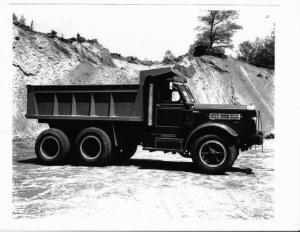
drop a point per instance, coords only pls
(177, 122)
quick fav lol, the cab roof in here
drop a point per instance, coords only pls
(165, 73)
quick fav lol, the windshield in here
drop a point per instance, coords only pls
(187, 94)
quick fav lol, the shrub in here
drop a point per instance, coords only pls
(52, 34)
(71, 40)
(201, 48)
(132, 59)
(92, 41)
(79, 38)
(15, 18)
(180, 58)
(169, 58)
(117, 56)
(22, 20)
(147, 62)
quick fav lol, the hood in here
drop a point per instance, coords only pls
(225, 108)
(220, 107)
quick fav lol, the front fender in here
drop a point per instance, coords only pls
(210, 127)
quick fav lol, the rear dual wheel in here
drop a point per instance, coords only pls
(93, 146)
(52, 146)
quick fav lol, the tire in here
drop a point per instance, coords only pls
(211, 154)
(52, 146)
(125, 153)
(93, 146)
(235, 157)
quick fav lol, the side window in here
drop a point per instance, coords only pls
(168, 95)
(175, 96)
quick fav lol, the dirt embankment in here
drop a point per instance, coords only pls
(39, 59)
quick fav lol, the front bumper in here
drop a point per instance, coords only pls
(249, 141)
(257, 139)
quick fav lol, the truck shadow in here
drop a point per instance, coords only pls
(175, 166)
(178, 166)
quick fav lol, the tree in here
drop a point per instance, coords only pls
(269, 44)
(22, 20)
(169, 57)
(15, 18)
(52, 34)
(246, 51)
(261, 52)
(31, 25)
(217, 28)
(79, 38)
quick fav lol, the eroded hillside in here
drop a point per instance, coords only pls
(39, 59)
(229, 81)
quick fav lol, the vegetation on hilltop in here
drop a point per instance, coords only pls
(260, 52)
(214, 33)
(134, 59)
(21, 22)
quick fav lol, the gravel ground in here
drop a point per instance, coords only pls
(151, 185)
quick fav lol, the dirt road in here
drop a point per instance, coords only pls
(151, 185)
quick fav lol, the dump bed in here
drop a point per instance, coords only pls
(85, 102)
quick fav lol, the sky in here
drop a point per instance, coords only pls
(142, 31)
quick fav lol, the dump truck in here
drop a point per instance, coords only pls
(103, 124)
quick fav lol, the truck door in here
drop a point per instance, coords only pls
(170, 110)
(166, 118)
(169, 118)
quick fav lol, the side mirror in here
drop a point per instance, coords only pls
(175, 96)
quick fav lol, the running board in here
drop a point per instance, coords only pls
(166, 144)
(151, 149)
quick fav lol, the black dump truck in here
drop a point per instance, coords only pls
(103, 124)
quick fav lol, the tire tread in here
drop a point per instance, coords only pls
(63, 140)
(105, 157)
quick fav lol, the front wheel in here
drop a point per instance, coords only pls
(212, 154)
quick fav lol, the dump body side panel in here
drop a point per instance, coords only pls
(85, 102)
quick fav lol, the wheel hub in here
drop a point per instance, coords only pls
(50, 147)
(90, 147)
(212, 153)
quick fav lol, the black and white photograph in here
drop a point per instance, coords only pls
(144, 115)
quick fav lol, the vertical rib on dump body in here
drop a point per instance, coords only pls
(85, 102)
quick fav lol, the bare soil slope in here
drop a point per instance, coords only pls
(228, 81)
